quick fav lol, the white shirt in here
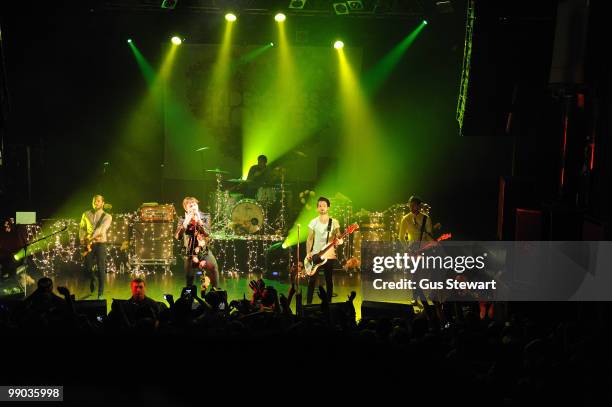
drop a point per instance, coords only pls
(89, 220)
(411, 225)
(320, 233)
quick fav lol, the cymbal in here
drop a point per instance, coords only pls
(217, 171)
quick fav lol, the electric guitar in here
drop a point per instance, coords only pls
(431, 244)
(89, 241)
(87, 246)
(311, 266)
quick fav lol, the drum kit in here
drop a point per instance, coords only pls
(239, 207)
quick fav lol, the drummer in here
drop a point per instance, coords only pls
(258, 176)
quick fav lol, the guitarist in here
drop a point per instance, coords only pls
(417, 227)
(92, 235)
(321, 231)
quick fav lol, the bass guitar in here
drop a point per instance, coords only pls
(87, 246)
(311, 266)
(429, 245)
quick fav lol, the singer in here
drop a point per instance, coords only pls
(194, 229)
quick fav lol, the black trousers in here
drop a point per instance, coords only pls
(212, 271)
(328, 269)
(97, 256)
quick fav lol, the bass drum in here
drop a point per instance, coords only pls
(247, 217)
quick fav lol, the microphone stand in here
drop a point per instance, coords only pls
(298, 288)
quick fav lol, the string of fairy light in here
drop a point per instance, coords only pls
(148, 246)
(257, 247)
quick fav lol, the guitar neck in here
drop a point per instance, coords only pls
(445, 236)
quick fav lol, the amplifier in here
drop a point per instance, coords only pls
(158, 213)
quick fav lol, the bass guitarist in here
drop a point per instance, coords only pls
(92, 235)
(322, 230)
(416, 226)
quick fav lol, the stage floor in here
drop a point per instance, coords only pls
(159, 283)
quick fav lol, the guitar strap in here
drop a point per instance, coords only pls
(423, 227)
(99, 220)
(329, 226)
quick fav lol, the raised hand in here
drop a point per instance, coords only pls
(63, 291)
(352, 296)
(261, 284)
(253, 285)
(194, 291)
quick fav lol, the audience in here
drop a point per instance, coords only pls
(506, 357)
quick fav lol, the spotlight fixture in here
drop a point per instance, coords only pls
(231, 17)
(297, 4)
(280, 17)
(129, 40)
(338, 44)
(169, 4)
(355, 5)
(340, 8)
(176, 40)
(444, 7)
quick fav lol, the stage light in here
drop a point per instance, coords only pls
(271, 44)
(129, 40)
(176, 40)
(18, 256)
(338, 44)
(169, 4)
(424, 22)
(280, 17)
(231, 17)
(444, 7)
(297, 4)
(340, 8)
(355, 5)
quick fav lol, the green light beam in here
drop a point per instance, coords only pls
(147, 70)
(380, 73)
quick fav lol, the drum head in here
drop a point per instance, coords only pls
(247, 217)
